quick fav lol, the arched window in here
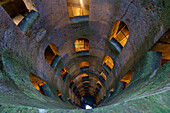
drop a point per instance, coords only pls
(78, 10)
(37, 82)
(111, 92)
(74, 89)
(99, 84)
(103, 77)
(119, 35)
(85, 77)
(52, 55)
(78, 7)
(97, 90)
(41, 86)
(84, 66)
(82, 46)
(64, 74)
(71, 84)
(108, 62)
(21, 10)
(70, 101)
(126, 79)
(86, 83)
(61, 96)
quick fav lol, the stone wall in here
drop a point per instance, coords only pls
(23, 53)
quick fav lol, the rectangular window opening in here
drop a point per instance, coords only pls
(65, 73)
(19, 9)
(78, 10)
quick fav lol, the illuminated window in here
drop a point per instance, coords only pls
(64, 74)
(103, 76)
(120, 32)
(78, 11)
(84, 66)
(108, 62)
(60, 95)
(163, 47)
(51, 55)
(85, 77)
(41, 86)
(37, 82)
(18, 9)
(78, 7)
(82, 45)
(99, 84)
(127, 78)
(70, 101)
(111, 92)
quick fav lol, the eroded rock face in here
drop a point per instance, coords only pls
(146, 92)
(18, 84)
(23, 53)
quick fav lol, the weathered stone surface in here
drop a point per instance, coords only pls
(150, 97)
(22, 54)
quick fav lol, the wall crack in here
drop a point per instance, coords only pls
(127, 9)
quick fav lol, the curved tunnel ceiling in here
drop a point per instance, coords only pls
(83, 39)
